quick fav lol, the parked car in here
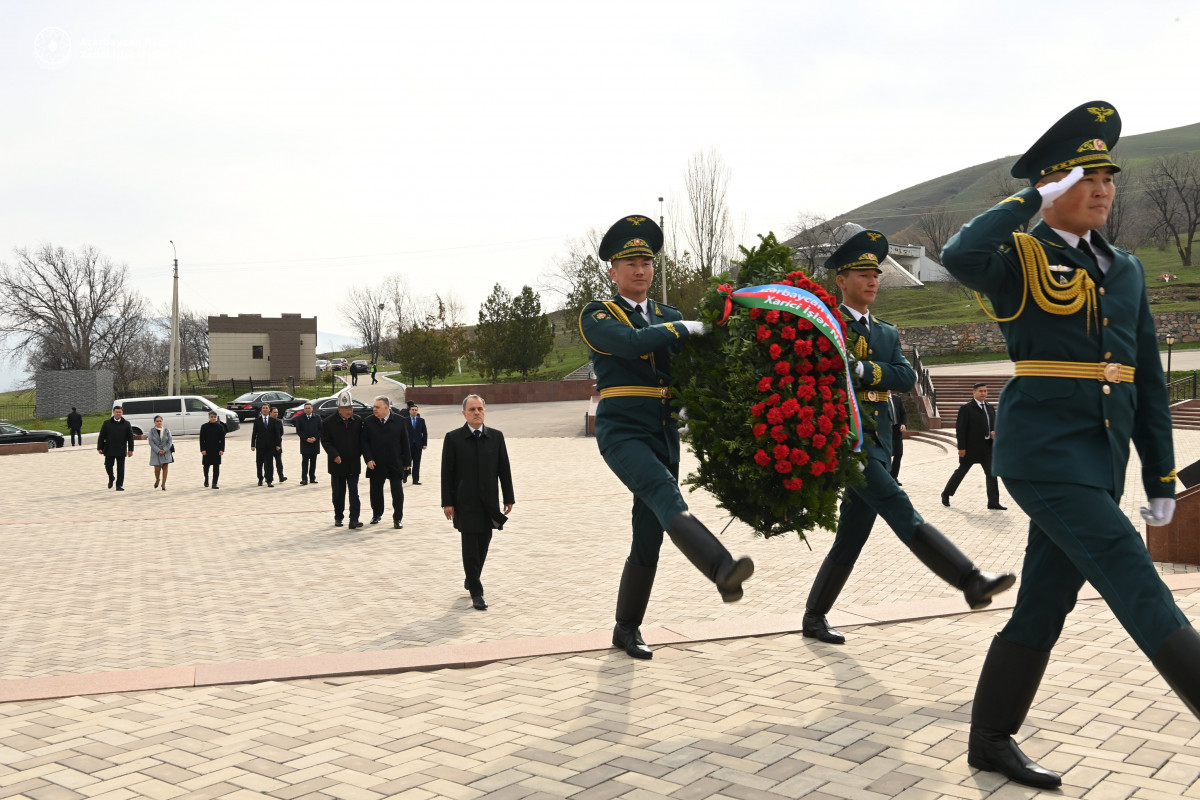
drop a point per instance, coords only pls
(249, 405)
(181, 414)
(339, 363)
(322, 364)
(11, 434)
(325, 407)
(362, 365)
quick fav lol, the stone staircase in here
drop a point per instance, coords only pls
(1186, 415)
(584, 373)
(954, 390)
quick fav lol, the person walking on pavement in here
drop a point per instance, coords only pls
(308, 428)
(75, 426)
(1087, 381)
(975, 430)
(474, 461)
(374, 380)
(418, 439)
(279, 449)
(880, 368)
(899, 426)
(162, 449)
(115, 443)
(353, 373)
(341, 436)
(385, 448)
(632, 339)
(212, 447)
(266, 437)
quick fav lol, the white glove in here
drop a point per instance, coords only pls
(1052, 191)
(683, 429)
(695, 327)
(858, 368)
(1160, 512)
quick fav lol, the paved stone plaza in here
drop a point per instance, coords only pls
(99, 582)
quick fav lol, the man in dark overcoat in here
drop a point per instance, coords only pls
(341, 436)
(115, 443)
(266, 439)
(474, 460)
(385, 448)
(418, 439)
(212, 447)
(75, 426)
(899, 426)
(308, 428)
(975, 430)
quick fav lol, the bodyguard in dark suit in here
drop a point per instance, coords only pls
(385, 448)
(308, 428)
(899, 426)
(341, 436)
(418, 439)
(114, 443)
(474, 459)
(975, 430)
(1087, 381)
(212, 447)
(880, 368)
(266, 439)
(279, 450)
(75, 426)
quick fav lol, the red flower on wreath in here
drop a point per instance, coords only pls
(761, 458)
(764, 384)
(818, 440)
(781, 451)
(779, 433)
(824, 424)
(772, 316)
(775, 352)
(775, 416)
(793, 484)
(816, 469)
(799, 457)
(788, 333)
(760, 430)
(783, 467)
(763, 333)
(782, 367)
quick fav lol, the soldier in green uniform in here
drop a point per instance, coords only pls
(632, 339)
(1088, 379)
(880, 368)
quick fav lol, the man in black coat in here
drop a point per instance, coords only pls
(279, 450)
(75, 426)
(474, 458)
(385, 448)
(418, 439)
(115, 442)
(266, 439)
(308, 428)
(976, 431)
(899, 426)
(353, 374)
(212, 447)
(341, 436)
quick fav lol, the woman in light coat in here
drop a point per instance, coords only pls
(161, 444)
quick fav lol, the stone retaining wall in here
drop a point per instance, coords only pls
(89, 390)
(22, 448)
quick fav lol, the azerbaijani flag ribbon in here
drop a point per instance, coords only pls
(802, 303)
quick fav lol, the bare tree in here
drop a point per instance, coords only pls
(578, 277)
(934, 227)
(76, 308)
(811, 240)
(707, 226)
(1173, 193)
(364, 308)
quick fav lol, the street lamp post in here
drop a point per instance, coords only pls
(1170, 344)
(378, 335)
(174, 367)
(662, 254)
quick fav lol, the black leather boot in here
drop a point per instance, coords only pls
(632, 598)
(949, 563)
(709, 556)
(1007, 684)
(1178, 661)
(1009, 680)
(825, 590)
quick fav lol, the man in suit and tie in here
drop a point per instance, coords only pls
(386, 450)
(266, 439)
(899, 426)
(418, 439)
(975, 430)
(308, 428)
(474, 460)
(75, 426)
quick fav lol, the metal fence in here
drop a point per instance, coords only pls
(289, 385)
(924, 381)
(18, 411)
(1182, 388)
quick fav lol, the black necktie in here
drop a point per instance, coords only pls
(1086, 249)
(987, 418)
(638, 309)
(479, 433)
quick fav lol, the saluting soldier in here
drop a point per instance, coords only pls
(1076, 317)
(632, 339)
(880, 368)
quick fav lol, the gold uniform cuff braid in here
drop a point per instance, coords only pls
(662, 392)
(1103, 371)
(1168, 478)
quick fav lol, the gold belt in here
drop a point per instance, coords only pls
(874, 396)
(661, 392)
(1103, 371)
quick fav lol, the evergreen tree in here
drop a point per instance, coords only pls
(491, 342)
(530, 338)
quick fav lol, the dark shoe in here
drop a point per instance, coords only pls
(416, 483)
(949, 563)
(337, 523)
(997, 752)
(375, 520)
(945, 500)
(156, 484)
(709, 556)
(260, 483)
(270, 486)
(312, 480)
(478, 602)
(817, 627)
(821, 597)
(120, 488)
(397, 524)
(110, 483)
(466, 584)
(206, 483)
(215, 486)
(998, 507)
(282, 479)
(1178, 661)
(304, 483)
(355, 524)
(627, 637)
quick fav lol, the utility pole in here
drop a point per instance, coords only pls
(173, 377)
(662, 254)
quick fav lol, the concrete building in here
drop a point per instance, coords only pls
(262, 348)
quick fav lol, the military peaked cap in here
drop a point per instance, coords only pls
(635, 235)
(863, 250)
(1084, 138)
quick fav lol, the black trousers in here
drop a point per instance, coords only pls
(340, 486)
(108, 467)
(308, 467)
(897, 450)
(265, 464)
(76, 436)
(279, 463)
(354, 380)
(964, 466)
(416, 465)
(216, 473)
(474, 553)
(378, 478)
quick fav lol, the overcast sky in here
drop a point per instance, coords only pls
(294, 149)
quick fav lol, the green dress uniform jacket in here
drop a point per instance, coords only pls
(884, 369)
(1063, 429)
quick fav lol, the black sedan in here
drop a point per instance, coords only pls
(11, 434)
(325, 407)
(249, 405)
